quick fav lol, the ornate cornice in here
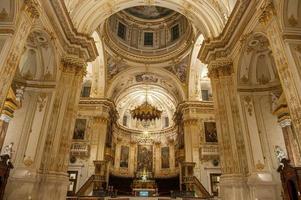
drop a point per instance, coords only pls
(216, 48)
(193, 107)
(102, 105)
(73, 42)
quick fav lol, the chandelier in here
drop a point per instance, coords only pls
(146, 112)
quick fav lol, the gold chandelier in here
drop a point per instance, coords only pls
(146, 112)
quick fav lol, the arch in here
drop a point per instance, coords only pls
(98, 71)
(204, 15)
(196, 70)
(155, 95)
(126, 79)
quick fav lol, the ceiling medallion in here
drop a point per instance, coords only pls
(146, 112)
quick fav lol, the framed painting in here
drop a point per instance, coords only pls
(124, 156)
(164, 157)
(210, 132)
(79, 129)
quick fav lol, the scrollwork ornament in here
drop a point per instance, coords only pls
(268, 11)
(73, 64)
(31, 6)
(220, 67)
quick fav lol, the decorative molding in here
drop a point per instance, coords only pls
(220, 67)
(216, 48)
(71, 63)
(268, 10)
(32, 8)
(248, 104)
(73, 42)
(285, 123)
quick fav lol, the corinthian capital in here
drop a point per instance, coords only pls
(220, 67)
(73, 64)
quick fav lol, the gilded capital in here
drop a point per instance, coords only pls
(73, 64)
(220, 67)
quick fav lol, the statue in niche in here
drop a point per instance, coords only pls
(210, 132)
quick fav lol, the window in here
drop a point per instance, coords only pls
(205, 95)
(148, 38)
(175, 32)
(125, 120)
(86, 91)
(121, 30)
(166, 122)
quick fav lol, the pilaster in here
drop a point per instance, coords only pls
(231, 142)
(49, 180)
(16, 38)
(284, 45)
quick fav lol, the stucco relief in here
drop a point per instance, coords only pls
(7, 10)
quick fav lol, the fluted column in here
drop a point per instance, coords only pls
(15, 43)
(231, 142)
(285, 46)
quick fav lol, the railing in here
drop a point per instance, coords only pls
(85, 187)
(80, 149)
(200, 190)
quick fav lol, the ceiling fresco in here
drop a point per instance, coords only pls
(149, 12)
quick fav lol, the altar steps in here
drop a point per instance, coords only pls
(136, 198)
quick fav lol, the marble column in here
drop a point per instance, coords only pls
(284, 48)
(231, 143)
(291, 143)
(15, 42)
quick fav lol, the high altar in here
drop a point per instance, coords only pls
(144, 185)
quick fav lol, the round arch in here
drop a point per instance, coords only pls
(207, 16)
(125, 80)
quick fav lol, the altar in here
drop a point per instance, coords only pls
(144, 186)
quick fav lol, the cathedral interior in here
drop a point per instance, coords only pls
(150, 99)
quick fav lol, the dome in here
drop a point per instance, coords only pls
(148, 34)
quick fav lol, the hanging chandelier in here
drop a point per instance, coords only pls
(146, 112)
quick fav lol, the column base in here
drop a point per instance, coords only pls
(233, 187)
(263, 186)
(26, 185)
